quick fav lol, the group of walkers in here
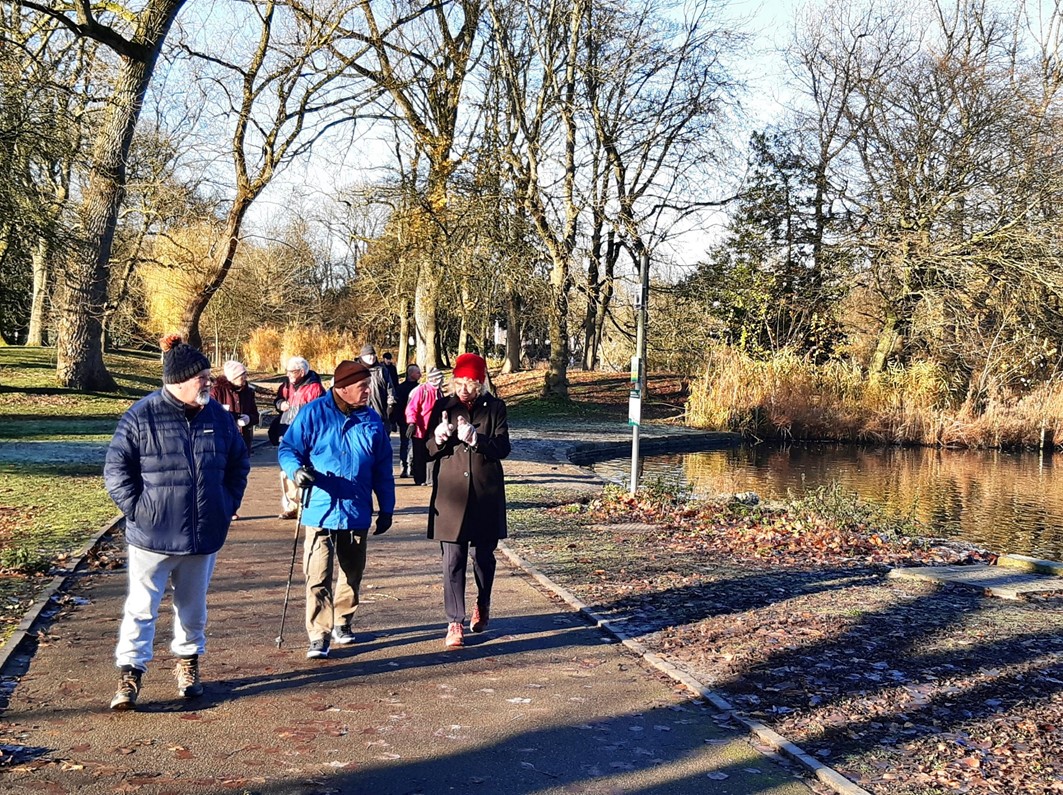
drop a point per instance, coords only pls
(178, 464)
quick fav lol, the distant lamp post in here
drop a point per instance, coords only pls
(638, 366)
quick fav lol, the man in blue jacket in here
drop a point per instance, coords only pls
(177, 468)
(339, 449)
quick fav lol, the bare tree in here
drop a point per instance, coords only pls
(422, 58)
(294, 87)
(658, 92)
(537, 52)
(44, 104)
(83, 294)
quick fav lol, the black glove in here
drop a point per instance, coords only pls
(383, 522)
(304, 476)
(409, 430)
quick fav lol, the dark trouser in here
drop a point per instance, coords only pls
(455, 564)
(404, 444)
(419, 467)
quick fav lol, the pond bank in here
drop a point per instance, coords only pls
(907, 688)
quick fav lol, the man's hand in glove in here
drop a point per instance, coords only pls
(383, 522)
(409, 430)
(303, 477)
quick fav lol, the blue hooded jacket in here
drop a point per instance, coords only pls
(178, 481)
(351, 459)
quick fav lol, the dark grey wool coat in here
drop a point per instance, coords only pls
(468, 490)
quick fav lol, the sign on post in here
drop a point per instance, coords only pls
(634, 407)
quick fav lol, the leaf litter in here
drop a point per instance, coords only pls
(905, 687)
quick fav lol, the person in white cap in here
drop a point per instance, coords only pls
(237, 396)
(301, 386)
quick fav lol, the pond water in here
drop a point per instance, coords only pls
(1007, 502)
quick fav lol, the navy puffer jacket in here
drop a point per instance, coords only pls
(177, 481)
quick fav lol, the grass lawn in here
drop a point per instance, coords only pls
(52, 442)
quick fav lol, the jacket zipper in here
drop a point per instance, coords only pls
(195, 487)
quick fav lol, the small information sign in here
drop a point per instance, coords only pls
(634, 407)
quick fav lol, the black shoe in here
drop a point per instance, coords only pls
(318, 649)
(187, 674)
(343, 634)
(405, 473)
(128, 689)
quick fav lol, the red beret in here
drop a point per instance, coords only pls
(469, 365)
(348, 372)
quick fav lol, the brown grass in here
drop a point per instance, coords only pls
(788, 397)
(268, 349)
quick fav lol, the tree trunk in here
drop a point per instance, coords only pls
(83, 294)
(888, 342)
(198, 302)
(404, 339)
(424, 315)
(605, 297)
(38, 297)
(466, 329)
(556, 381)
(590, 352)
(512, 361)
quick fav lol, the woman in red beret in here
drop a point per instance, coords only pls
(468, 506)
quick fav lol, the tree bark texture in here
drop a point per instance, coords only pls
(39, 294)
(83, 292)
(512, 361)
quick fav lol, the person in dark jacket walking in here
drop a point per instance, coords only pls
(237, 396)
(393, 371)
(381, 388)
(177, 468)
(340, 450)
(468, 506)
(398, 416)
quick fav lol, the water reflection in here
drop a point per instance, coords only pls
(1008, 502)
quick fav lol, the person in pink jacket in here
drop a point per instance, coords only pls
(418, 410)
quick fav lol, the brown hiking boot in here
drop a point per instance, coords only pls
(480, 617)
(128, 689)
(455, 636)
(187, 674)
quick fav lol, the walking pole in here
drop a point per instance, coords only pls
(291, 569)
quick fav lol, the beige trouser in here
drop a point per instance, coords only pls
(290, 494)
(326, 607)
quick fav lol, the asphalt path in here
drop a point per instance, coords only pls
(540, 703)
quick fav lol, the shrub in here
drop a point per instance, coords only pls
(790, 397)
(268, 349)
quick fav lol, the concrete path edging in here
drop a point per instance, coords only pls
(828, 775)
(29, 618)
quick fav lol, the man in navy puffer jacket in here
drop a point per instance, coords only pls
(177, 468)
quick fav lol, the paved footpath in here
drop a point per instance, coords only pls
(541, 703)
